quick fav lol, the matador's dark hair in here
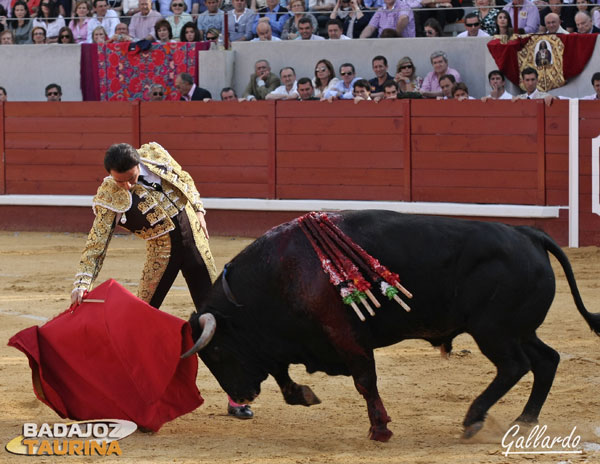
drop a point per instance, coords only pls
(121, 157)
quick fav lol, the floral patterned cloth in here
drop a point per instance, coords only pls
(112, 72)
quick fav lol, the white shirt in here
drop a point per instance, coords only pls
(312, 37)
(52, 28)
(281, 90)
(109, 23)
(342, 37)
(504, 96)
(273, 39)
(591, 97)
(480, 33)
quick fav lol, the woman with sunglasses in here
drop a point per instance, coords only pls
(21, 23)
(79, 24)
(432, 28)
(189, 33)
(49, 18)
(324, 79)
(405, 76)
(65, 36)
(38, 36)
(179, 17)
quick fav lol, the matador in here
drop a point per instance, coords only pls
(148, 193)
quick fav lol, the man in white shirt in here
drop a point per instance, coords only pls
(596, 84)
(104, 17)
(305, 30)
(287, 91)
(344, 89)
(142, 23)
(497, 82)
(335, 30)
(530, 81)
(552, 22)
(473, 25)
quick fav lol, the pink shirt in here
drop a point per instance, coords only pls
(431, 81)
(80, 30)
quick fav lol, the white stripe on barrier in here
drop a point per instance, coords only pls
(256, 204)
(574, 173)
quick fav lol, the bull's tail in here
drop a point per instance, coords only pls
(593, 319)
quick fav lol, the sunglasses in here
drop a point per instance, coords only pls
(65, 36)
(406, 66)
(320, 69)
(52, 94)
(472, 24)
(45, 4)
(158, 94)
(347, 73)
(211, 37)
(38, 33)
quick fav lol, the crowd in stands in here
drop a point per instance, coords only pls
(77, 21)
(82, 21)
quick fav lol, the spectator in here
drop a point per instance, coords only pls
(584, 23)
(3, 95)
(211, 18)
(497, 82)
(189, 33)
(362, 90)
(227, 93)
(406, 76)
(529, 16)
(7, 37)
(553, 25)
(595, 84)
(99, 35)
(179, 17)
(380, 68)
(21, 23)
(324, 78)
(49, 18)
(274, 14)
(121, 34)
(389, 33)
(212, 35)
(262, 81)
(38, 36)
(390, 90)
(343, 90)
(473, 23)
(265, 33)
(130, 7)
(65, 36)
(184, 83)
(306, 90)
(79, 24)
(305, 30)
(164, 7)
(530, 80)
(114, 5)
(461, 92)
(431, 87)
(353, 18)
(487, 15)
(322, 9)
(289, 31)
(239, 21)
(335, 30)
(395, 14)
(447, 82)
(163, 32)
(443, 11)
(104, 17)
(142, 23)
(53, 92)
(432, 28)
(504, 24)
(157, 92)
(566, 13)
(288, 89)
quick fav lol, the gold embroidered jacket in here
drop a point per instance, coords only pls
(112, 203)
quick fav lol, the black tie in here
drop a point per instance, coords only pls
(152, 185)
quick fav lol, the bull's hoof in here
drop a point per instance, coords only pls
(471, 430)
(381, 433)
(301, 395)
(309, 396)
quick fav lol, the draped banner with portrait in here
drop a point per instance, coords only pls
(556, 57)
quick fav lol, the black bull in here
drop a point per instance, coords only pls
(489, 280)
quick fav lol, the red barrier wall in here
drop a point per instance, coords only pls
(419, 150)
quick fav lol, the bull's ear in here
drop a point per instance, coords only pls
(208, 324)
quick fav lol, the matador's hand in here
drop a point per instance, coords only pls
(202, 222)
(77, 296)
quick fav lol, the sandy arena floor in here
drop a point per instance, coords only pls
(426, 396)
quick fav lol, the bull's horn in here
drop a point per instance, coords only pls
(208, 324)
